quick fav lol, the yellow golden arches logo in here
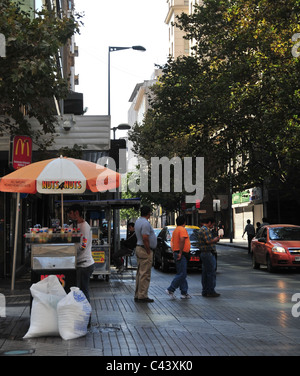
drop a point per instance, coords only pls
(23, 143)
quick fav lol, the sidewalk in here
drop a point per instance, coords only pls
(251, 317)
(236, 243)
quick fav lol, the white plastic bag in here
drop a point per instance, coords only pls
(43, 320)
(74, 312)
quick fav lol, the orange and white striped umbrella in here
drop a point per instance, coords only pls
(60, 175)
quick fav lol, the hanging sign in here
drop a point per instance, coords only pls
(22, 151)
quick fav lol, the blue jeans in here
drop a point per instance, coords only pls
(180, 278)
(208, 272)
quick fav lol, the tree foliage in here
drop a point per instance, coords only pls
(236, 99)
(29, 74)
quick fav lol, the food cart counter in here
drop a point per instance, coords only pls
(53, 253)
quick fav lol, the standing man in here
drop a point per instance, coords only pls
(208, 249)
(85, 261)
(146, 243)
(181, 245)
(250, 232)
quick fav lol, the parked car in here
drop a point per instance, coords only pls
(276, 246)
(157, 230)
(163, 254)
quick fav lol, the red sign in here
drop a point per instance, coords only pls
(61, 278)
(22, 151)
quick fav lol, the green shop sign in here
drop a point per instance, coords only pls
(241, 197)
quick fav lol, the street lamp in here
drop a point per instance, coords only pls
(113, 49)
(121, 127)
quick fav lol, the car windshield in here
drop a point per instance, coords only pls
(284, 233)
(193, 234)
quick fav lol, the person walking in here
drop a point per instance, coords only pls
(180, 243)
(250, 232)
(85, 261)
(207, 253)
(146, 243)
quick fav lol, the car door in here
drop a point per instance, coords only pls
(160, 242)
(261, 247)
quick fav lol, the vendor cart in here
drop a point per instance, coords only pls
(53, 254)
(101, 245)
(100, 253)
(101, 256)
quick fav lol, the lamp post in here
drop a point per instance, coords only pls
(121, 126)
(113, 49)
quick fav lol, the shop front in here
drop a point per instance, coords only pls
(246, 205)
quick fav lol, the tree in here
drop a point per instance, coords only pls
(29, 74)
(236, 100)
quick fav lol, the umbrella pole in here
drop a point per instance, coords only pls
(15, 243)
(62, 210)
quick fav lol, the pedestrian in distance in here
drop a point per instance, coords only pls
(265, 222)
(127, 248)
(250, 230)
(258, 225)
(220, 229)
(85, 262)
(207, 248)
(180, 244)
(146, 243)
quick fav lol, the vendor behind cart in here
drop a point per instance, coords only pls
(85, 261)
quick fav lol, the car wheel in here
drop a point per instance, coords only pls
(164, 264)
(255, 265)
(270, 267)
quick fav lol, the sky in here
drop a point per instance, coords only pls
(121, 23)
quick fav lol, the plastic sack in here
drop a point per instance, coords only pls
(74, 312)
(46, 295)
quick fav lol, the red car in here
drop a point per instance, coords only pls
(276, 246)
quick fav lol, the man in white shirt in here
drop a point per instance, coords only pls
(85, 261)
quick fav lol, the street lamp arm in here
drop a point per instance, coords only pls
(137, 48)
(112, 49)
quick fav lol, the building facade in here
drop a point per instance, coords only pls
(90, 133)
(178, 46)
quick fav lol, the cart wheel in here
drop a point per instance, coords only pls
(107, 278)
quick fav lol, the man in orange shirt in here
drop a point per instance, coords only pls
(181, 245)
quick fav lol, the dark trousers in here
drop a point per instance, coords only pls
(250, 237)
(208, 272)
(123, 251)
(83, 276)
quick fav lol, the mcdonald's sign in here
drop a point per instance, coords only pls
(22, 151)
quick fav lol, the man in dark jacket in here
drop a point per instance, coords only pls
(127, 247)
(250, 232)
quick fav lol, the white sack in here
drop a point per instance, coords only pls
(43, 320)
(74, 312)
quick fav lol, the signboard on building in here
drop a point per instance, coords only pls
(22, 151)
(241, 197)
